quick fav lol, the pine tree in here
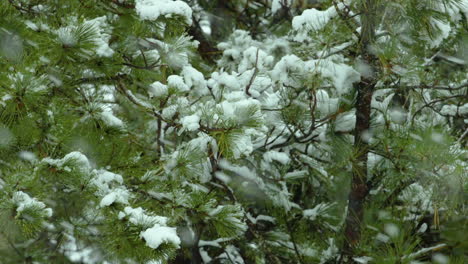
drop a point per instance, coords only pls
(253, 131)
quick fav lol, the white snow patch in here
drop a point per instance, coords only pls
(243, 146)
(23, 202)
(453, 110)
(363, 260)
(110, 187)
(325, 104)
(342, 76)
(157, 235)
(272, 155)
(391, 229)
(139, 217)
(76, 157)
(153, 9)
(175, 81)
(254, 57)
(295, 175)
(312, 20)
(345, 122)
(108, 117)
(191, 123)
(444, 28)
(117, 195)
(157, 89)
(193, 78)
(313, 213)
(27, 155)
(285, 67)
(102, 39)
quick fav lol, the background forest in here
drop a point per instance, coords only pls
(235, 131)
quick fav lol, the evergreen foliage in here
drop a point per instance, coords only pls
(250, 131)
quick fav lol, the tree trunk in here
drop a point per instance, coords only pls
(365, 89)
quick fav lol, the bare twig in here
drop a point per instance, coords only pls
(252, 79)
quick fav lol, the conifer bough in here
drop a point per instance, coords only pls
(254, 131)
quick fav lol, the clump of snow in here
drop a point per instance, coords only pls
(169, 111)
(222, 81)
(202, 142)
(7, 97)
(242, 146)
(156, 232)
(381, 99)
(102, 36)
(117, 195)
(382, 238)
(418, 197)
(453, 110)
(422, 228)
(345, 122)
(157, 235)
(363, 260)
(341, 75)
(194, 80)
(319, 210)
(312, 20)
(330, 252)
(254, 57)
(254, 220)
(27, 155)
(153, 9)
(108, 117)
(272, 155)
(139, 217)
(205, 26)
(66, 36)
(176, 82)
(444, 29)
(280, 196)
(39, 26)
(364, 69)
(325, 104)
(174, 53)
(278, 4)
(295, 175)
(398, 115)
(24, 202)
(110, 187)
(439, 258)
(191, 123)
(242, 171)
(157, 89)
(271, 100)
(288, 65)
(240, 113)
(391, 229)
(79, 160)
(454, 10)
(232, 254)
(239, 38)
(104, 178)
(233, 49)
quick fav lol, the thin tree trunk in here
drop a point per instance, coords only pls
(365, 89)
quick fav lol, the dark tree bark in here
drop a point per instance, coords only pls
(365, 89)
(206, 48)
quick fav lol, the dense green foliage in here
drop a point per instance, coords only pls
(160, 131)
